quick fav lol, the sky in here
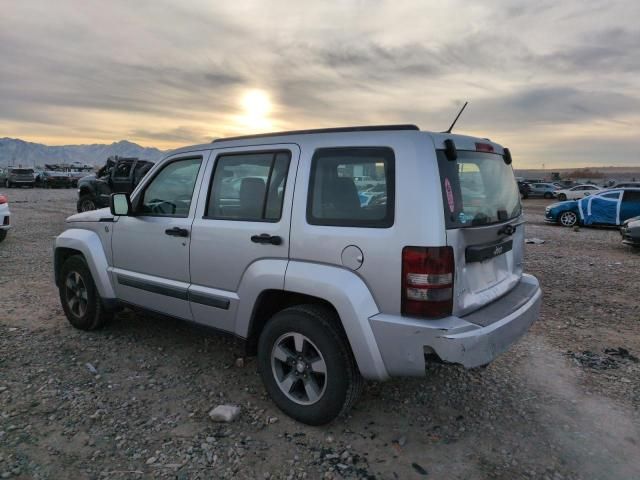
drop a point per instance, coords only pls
(557, 82)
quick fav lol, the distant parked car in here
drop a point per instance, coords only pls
(545, 190)
(5, 217)
(52, 179)
(608, 207)
(524, 188)
(116, 176)
(630, 231)
(20, 177)
(627, 185)
(577, 192)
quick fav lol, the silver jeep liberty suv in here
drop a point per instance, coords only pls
(338, 255)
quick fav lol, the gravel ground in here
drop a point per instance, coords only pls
(132, 400)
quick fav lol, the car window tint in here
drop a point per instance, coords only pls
(169, 193)
(248, 186)
(122, 170)
(632, 196)
(352, 187)
(611, 195)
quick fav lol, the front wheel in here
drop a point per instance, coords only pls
(307, 366)
(79, 297)
(86, 203)
(568, 218)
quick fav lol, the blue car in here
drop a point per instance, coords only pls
(609, 207)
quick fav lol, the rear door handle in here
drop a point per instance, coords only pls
(265, 238)
(177, 232)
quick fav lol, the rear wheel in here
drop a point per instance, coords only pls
(307, 366)
(7, 183)
(562, 197)
(80, 300)
(568, 218)
(3, 235)
(86, 202)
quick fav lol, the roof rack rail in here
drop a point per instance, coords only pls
(372, 128)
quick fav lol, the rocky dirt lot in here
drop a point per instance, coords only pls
(132, 400)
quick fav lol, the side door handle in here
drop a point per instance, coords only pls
(265, 238)
(177, 232)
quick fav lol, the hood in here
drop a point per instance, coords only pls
(91, 216)
(566, 204)
(87, 178)
(634, 220)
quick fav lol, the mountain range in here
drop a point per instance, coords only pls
(14, 151)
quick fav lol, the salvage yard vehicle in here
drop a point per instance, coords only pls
(118, 175)
(5, 217)
(53, 179)
(326, 290)
(20, 177)
(606, 208)
(544, 190)
(579, 191)
(630, 231)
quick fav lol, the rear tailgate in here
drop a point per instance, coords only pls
(483, 218)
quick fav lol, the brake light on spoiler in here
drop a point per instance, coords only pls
(427, 281)
(484, 147)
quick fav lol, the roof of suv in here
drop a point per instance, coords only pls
(463, 142)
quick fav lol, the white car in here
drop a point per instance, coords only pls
(5, 215)
(577, 192)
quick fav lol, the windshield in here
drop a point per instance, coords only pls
(478, 189)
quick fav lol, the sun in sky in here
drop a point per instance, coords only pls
(256, 107)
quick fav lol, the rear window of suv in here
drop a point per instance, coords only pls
(477, 189)
(21, 171)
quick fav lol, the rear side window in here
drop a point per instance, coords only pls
(352, 187)
(248, 187)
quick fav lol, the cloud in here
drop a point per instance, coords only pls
(174, 73)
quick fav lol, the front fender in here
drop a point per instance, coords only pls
(88, 243)
(351, 298)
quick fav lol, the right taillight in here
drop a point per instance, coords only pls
(427, 281)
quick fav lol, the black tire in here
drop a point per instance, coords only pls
(7, 184)
(93, 315)
(3, 235)
(548, 195)
(562, 197)
(86, 203)
(342, 382)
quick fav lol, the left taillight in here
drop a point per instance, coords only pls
(427, 281)
(3, 199)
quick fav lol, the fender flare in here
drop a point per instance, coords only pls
(88, 243)
(354, 303)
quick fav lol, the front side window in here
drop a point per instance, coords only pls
(612, 195)
(352, 187)
(170, 192)
(248, 186)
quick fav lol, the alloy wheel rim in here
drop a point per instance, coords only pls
(76, 294)
(299, 368)
(568, 218)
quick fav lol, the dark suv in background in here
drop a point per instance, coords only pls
(119, 175)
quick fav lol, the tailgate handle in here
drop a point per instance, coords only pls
(481, 253)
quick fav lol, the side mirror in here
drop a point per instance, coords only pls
(120, 204)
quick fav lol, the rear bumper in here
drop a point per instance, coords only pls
(404, 342)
